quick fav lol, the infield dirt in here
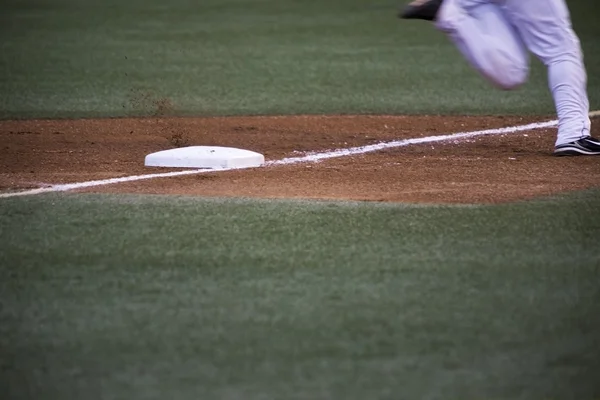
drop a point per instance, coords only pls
(487, 169)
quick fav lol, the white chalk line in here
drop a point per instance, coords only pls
(314, 157)
(101, 182)
(405, 142)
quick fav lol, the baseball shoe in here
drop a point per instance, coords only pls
(421, 9)
(585, 146)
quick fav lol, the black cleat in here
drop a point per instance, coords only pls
(421, 9)
(587, 146)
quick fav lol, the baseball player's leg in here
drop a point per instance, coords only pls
(486, 39)
(545, 27)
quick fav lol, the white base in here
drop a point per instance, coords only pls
(205, 157)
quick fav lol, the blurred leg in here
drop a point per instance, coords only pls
(485, 37)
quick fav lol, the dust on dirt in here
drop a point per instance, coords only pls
(146, 103)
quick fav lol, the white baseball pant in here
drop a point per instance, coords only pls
(494, 36)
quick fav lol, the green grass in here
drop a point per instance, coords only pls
(74, 58)
(143, 297)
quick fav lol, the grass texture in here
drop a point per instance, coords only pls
(132, 297)
(76, 58)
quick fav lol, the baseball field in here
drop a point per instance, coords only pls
(422, 243)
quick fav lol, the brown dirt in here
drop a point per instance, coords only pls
(485, 169)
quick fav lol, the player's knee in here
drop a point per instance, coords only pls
(510, 72)
(512, 77)
(573, 55)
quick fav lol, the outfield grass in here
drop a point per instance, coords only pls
(142, 297)
(73, 58)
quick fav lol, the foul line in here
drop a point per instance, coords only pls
(313, 157)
